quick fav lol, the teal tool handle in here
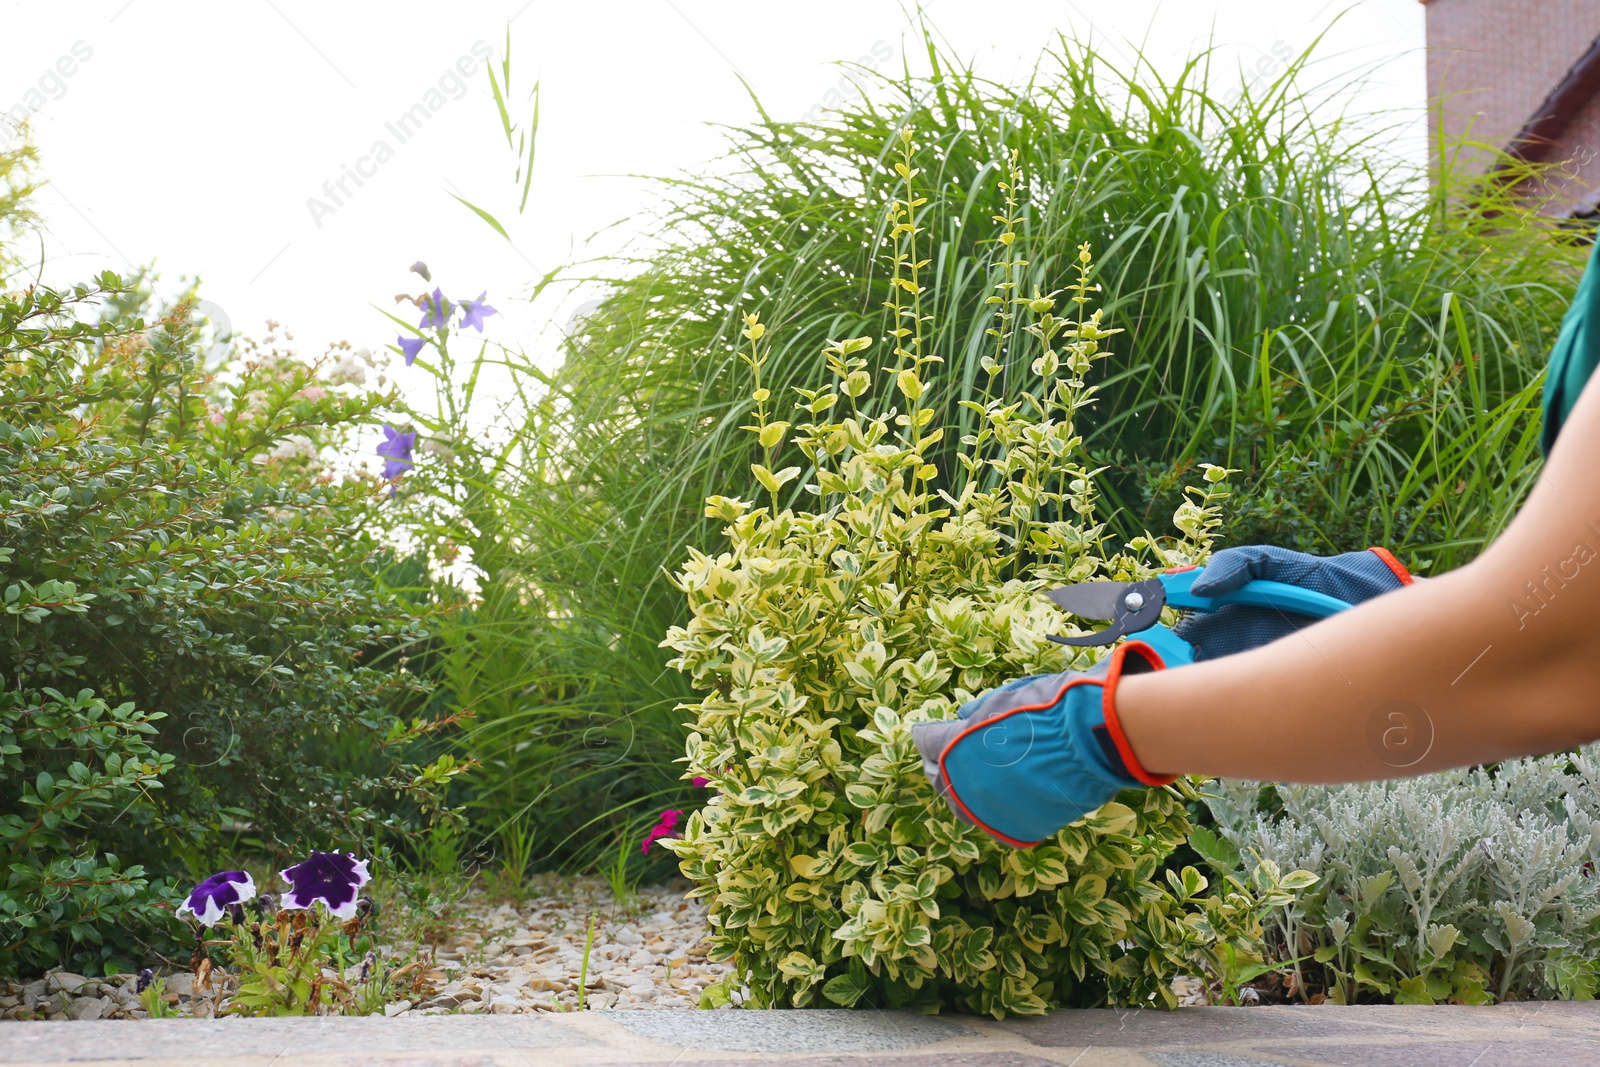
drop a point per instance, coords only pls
(1255, 594)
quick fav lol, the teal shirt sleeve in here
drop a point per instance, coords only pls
(1576, 352)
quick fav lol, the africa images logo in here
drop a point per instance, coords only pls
(403, 128)
(1541, 591)
(1400, 733)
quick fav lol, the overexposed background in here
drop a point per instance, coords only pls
(195, 134)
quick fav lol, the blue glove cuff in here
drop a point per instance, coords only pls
(1039, 753)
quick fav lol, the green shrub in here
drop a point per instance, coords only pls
(1298, 305)
(1469, 886)
(189, 614)
(833, 872)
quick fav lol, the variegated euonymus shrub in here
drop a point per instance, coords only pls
(834, 874)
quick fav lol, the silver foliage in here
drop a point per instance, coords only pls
(1468, 885)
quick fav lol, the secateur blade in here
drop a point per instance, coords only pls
(1131, 607)
(1090, 600)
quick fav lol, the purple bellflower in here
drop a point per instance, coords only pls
(436, 311)
(215, 897)
(331, 878)
(410, 346)
(396, 452)
(667, 827)
(475, 311)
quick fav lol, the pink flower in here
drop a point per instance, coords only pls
(699, 782)
(312, 392)
(667, 827)
(218, 418)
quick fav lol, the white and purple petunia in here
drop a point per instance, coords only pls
(211, 899)
(329, 877)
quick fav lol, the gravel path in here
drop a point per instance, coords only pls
(649, 955)
(648, 952)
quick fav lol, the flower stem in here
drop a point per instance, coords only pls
(583, 973)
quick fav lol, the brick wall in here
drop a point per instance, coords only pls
(1492, 63)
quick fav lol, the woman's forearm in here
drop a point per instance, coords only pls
(1424, 678)
(1498, 659)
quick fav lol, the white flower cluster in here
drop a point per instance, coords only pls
(351, 367)
(295, 446)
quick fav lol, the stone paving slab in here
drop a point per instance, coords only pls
(793, 1031)
(1539, 1035)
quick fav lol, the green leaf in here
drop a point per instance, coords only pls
(1295, 881)
(811, 866)
(1413, 991)
(861, 796)
(863, 853)
(1221, 854)
(845, 990)
(1112, 818)
(799, 966)
(484, 215)
(768, 481)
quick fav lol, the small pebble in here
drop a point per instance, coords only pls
(86, 1009)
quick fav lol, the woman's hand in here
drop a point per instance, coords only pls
(1354, 577)
(1029, 757)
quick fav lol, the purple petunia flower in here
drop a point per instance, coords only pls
(396, 451)
(410, 346)
(474, 312)
(667, 827)
(436, 310)
(211, 899)
(329, 877)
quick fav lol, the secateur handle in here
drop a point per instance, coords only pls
(1258, 593)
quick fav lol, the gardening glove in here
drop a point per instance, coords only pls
(1026, 759)
(1352, 577)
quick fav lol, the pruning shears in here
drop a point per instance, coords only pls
(1135, 608)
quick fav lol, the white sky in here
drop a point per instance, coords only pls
(195, 133)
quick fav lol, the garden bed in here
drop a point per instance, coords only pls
(497, 956)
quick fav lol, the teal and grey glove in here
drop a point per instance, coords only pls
(1031, 756)
(1352, 577)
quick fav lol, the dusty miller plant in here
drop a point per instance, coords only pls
(833, 874)
(1469, 886)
